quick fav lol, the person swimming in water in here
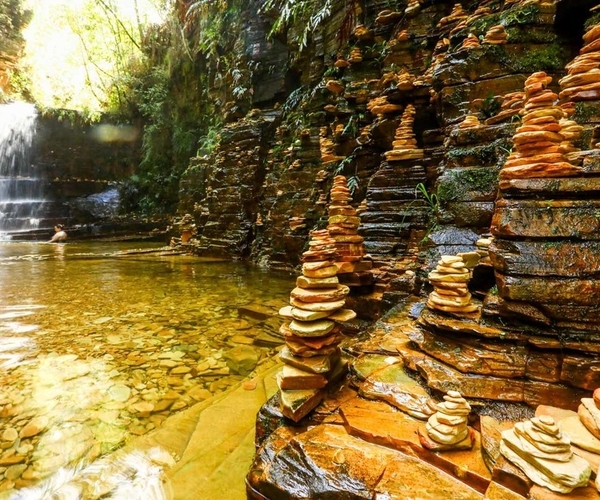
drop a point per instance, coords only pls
(59, 234)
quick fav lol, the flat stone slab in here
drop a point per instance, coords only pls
(378, 423)
(546, 219)
(393, 385)
(473, 355)
(342, 466)
(546, 258)
(554, 187)
(366, 364)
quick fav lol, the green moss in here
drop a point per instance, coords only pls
(593, 20)
(456, 182)
(486, 154)
(512, 17)
(541, 57)
(528, 34)
(584, 112)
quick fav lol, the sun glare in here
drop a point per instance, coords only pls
(73, 49)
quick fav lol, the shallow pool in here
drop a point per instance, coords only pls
(100, 342)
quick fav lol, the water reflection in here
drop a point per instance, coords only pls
(98, 347)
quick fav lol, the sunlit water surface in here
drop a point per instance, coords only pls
(98, 345)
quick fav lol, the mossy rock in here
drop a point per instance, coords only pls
(487, 154)
(471, 184)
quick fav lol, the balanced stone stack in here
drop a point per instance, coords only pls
(405, 143)
(393, 220)
(545, 249)
(571, 131)
(471, 42)
(447, 429)
(589, 413)
(413, 7)
(450, 282)
(512, 104)
(353, 269)
(496, 35)
(470, 121)
(355, 56)
(483, 248)
(582, 82)
(311, 354)
(537, 152)
(540, 450)
(458, 14)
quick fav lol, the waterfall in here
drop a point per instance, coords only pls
(21, 185)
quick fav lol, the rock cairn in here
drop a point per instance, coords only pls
(413, 7)
(571, 131)
(537, 152)
(496, 35)
(471, 42)
(458, 14)
(540, 450)
(483, 248)
(311, 354)
(512, 104)
(582, 82)
(405, 143)
(589, 413)
(450, 291)
(343, 228)
(447, 428)
(355, 56)
(381, 106)
(470, 121)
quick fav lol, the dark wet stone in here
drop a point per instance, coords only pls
(392, 384)
(581, 371)
(543, 365)
(569, 187)
(268, 419)
(547, 219)
(550, 290)
(469, 213)
(444, 378)
(472, 355)
(454, 236)
(546, 258)
(326, 462)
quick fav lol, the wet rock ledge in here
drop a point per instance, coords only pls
(368, 438)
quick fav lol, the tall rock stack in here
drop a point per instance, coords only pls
(312, 335)
(545, 247)
(353, 269)
(394, 220)
(405, 143)
(582, 82)
(537, 143)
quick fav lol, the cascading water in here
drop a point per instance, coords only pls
(21, 185)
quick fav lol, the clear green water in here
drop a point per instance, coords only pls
(98, 345)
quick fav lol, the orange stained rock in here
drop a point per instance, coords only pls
(458, 13)
(470, 42)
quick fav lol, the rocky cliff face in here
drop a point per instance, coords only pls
(427, 181)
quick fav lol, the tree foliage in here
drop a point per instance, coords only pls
(79, 53)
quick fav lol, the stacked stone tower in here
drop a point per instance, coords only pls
(312, 334)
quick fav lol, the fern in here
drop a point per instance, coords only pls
(308, 13)
(353, 184)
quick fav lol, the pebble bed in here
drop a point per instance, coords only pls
(97, 351)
